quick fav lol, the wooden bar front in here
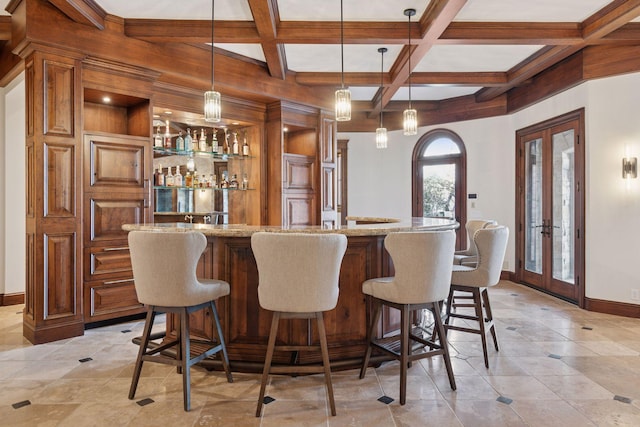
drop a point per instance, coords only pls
(229, 257)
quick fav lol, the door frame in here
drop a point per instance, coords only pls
(579, 214)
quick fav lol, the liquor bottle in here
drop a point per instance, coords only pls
(203, 181)
(214, 143)
(195, 144)
(188, 180)
(159, 177)
(203, 140)
(223, 181)
(209, 182)
(236, 145)
(245, 145)
(225, 144)
(234, 181)
(177, 177)
(188, 141)
(167, 137)
(195, 181)
(157, 138)
(180, 142)
(169, 178)
(245, 182)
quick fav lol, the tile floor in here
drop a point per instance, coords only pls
(557, 366)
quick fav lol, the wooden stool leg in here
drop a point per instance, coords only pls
(185, 346)
(477, 301)
(404, 352)
(148, 324)
(325, 360)
(371, 333)
(220, 337)
(487, 309)
(267, 361)
(443, 343)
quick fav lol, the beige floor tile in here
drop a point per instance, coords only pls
(360, 413)
(521, 387)
(424, 413)
(605, 413)
(36, 415)
(225, 413)
(96, 414)
(574, 387)
(483, 413)
(608, 348)
(289, 413)
(549, 413)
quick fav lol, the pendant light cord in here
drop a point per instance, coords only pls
(409, 60)
(213, 2)
(382, 51)
(342, 44)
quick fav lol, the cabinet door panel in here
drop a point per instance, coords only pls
(298, 172)
(299, 209)
(109, 261)
(116, 161)
(106, 213)
(109, 299)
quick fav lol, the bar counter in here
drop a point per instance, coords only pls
(228, 257)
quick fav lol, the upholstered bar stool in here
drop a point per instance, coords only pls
(298, 279)
(469, 256)
(422, 262)
(492, 244)
(164, 273)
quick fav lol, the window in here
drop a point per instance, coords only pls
(439, 177)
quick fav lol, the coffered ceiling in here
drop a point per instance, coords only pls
(458, 48)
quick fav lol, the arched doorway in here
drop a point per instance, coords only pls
(439, 178)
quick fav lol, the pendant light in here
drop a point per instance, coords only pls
(212, 107)
(381, 132)
(343, 96)
(410, 116)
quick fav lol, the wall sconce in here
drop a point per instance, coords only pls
(629, 167)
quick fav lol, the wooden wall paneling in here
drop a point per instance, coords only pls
(273, 164)
(60, 180)
(105, 118)
(54, 220)
(328, 149)
(60, 85)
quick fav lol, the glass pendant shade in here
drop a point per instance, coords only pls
(381, 138)
(410, 121)
(343, 105)
(212, 108)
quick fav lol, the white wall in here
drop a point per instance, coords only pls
(12, 191)
(380, 180)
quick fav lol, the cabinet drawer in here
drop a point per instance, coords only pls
(111, 299)
(112, 261)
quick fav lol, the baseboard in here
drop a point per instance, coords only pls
(12, 299)
(508, 275)
(612, 307)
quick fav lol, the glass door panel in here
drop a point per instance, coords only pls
(533, 206)
(563, 220)
(439, 190)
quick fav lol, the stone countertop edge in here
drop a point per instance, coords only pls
(242, 230)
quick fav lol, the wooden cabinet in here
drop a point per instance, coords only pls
(117, 192)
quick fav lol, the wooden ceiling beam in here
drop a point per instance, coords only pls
(266, 17)
(421, 78)
(86, 12)
(433, 22)
(608, 19)
(191, 31)
(5, 28)
(544, 33)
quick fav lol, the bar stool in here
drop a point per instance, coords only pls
(422, 262)
(164, 273)
(469, 256)
(492, 244)
(298, 279)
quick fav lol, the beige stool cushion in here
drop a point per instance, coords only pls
(492, 244)
(298, 272)
(164, 269)
(422, 262)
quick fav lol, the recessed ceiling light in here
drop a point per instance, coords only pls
(156, 116)
(285, 129)
(235, 123)
(168, 112)
(106, 99)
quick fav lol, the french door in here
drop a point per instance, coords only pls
(550, 206)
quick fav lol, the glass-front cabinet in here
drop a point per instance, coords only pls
(201, 173)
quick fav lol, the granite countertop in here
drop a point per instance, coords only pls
(369, 227)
